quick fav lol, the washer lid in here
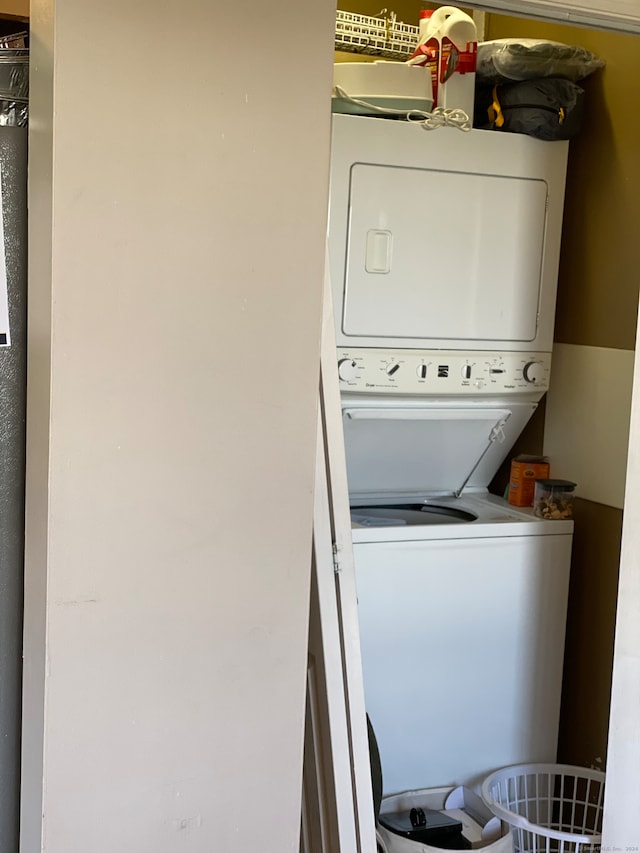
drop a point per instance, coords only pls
(422, 448)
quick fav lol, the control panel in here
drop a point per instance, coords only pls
(438, 372)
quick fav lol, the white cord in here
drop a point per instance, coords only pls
(428, 121)
(441, 118)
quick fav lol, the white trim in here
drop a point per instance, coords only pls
(607, 14)
(622, 793)
(345, 581)
(335, 791)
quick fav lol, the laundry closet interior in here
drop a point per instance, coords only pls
(582, 423)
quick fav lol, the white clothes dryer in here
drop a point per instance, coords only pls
(442, 239)
(461, 597)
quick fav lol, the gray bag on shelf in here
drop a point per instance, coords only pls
(513, 60)
(550, 108)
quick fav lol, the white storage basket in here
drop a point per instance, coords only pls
(498, 839)
(551, 808)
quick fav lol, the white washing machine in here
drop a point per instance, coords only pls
(462, 598)
(462, 634)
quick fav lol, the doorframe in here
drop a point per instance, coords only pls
(620, 830)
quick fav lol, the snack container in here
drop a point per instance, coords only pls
(553, 499)
(525, 470)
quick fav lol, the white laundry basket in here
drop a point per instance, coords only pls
(551, 808)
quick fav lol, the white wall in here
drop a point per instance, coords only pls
(621, 830)
(178, 196)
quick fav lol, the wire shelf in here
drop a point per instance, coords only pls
(383, 36)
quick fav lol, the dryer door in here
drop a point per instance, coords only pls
(409, 448)
(444, 240)
(465, 265)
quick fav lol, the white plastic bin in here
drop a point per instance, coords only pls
(550, 807)
(497, 835)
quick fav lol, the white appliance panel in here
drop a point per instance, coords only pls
(442, 239)
(462, 650)
(438, 373)
(421, 243)
(418, 447)
(415, 447)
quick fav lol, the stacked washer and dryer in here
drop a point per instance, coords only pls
(444, 252)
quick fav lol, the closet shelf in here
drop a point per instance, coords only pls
(382, 36)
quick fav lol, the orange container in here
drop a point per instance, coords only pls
(525, 470)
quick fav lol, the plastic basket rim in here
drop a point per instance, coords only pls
(520, 822)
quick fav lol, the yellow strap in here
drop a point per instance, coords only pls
(495, 110)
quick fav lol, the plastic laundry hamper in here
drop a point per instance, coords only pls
(551, 808)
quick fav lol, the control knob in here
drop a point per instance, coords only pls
(347, 369)
(533, 372)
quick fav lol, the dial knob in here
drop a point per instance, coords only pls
(466, 371)
(533, 372)
(347, 369)
(421, 371)
(392, 368)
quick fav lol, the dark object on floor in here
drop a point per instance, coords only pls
(426, 826)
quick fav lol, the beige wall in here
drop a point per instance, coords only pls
(597, 307)
(17, 10)
(178, 200)
(598, 285)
